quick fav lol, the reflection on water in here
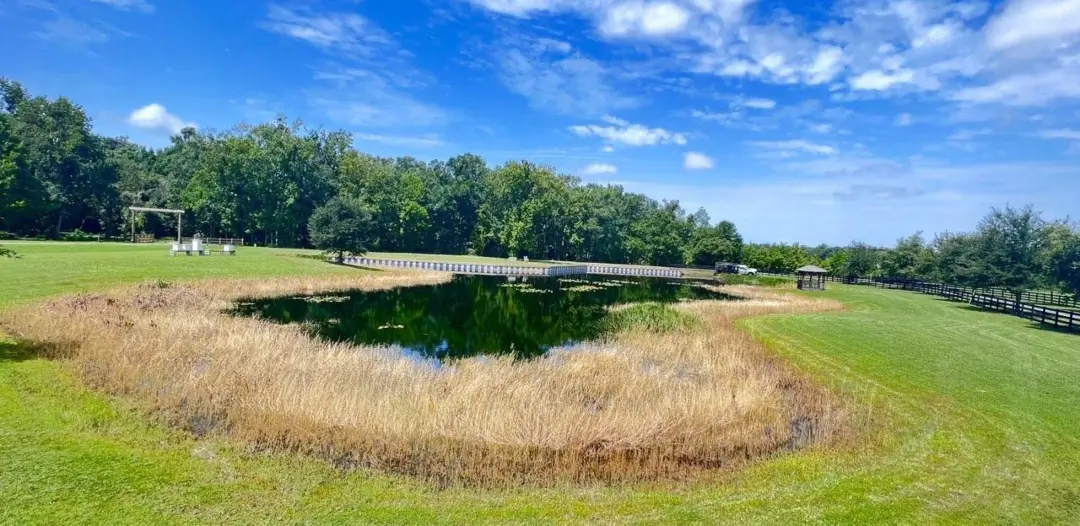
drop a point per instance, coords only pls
(474, 314)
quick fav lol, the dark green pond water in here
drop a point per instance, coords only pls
(475, 314)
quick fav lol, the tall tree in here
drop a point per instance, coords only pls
(1007, 249)
(21, 197)
(911, 259)
(66, 158)
(1062, 256)
(711, 245)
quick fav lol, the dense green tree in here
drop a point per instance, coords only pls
(910, 259)
(1007, 252)
(66, 158)
(21, 197)
(341, 227)
(1061, 257)
(778, 258)
(1065, 263)
(709, 245)
(523, 212)
(856, 260)
(954, 258)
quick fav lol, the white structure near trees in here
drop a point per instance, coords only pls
(179, 219)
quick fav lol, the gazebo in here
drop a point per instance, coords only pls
(811, 277)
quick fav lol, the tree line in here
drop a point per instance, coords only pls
(1014, 248)
(264, 183)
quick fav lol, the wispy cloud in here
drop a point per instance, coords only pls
(375, 104)
(623, 132)
(373, 85)
(141, 6)
(758, 104)
(346, 32)
(599, 169)
(68, 31)
(555, 78)
(1064, 133)
(965, 135)
(424, 141)
(795, 145)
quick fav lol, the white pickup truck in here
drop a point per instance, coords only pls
(731, 268)
(743, 269)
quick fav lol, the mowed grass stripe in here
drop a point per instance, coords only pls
(978, 416)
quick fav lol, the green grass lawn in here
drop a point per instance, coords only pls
(977, 421)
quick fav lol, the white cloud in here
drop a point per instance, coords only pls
(128, 5)
(828, 63)
(725, 117)
(1067, 134)
(374, 87)
(155, 117)
(1026, 89)
(374, 104)
(821, 128)
(426, 141)
(904, 119)
(697, 161)
(623, 132)
(1034, 21)
(72, 32)
(795, 145)
(553, 77)
(634, 18)
(346, 32)
(599, 168)
(868, 48)
(757, 104)
(878, 80)
(607, 148)
(967, 135)
(518, 8)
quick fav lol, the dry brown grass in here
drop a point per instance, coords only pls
(641, 406)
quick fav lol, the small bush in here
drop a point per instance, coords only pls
(79, 235)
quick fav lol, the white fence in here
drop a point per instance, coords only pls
(514, 270)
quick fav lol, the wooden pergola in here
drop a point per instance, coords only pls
(811, 277)
(179, 219)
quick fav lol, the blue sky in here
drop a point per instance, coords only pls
(810, 121)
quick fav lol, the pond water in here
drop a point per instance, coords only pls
(473, 315)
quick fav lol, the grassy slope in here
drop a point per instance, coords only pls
(979, 422)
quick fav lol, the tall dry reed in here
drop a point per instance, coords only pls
(638, 406)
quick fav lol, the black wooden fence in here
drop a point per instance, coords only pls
(983, 298)
(1039, 297)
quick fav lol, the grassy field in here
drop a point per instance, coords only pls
(978, 422)
(46, 269)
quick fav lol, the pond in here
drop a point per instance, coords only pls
(473, 315)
